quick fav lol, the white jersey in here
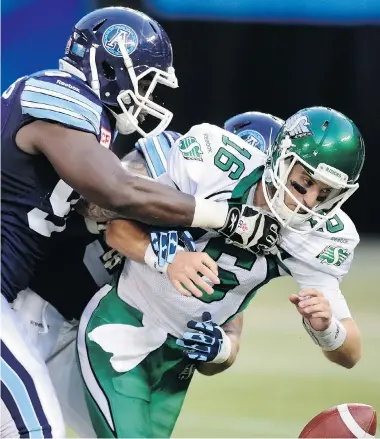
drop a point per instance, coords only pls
(212, 163)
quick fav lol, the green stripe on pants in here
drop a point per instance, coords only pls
(145, 401)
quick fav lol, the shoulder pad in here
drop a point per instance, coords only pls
(156, 150)
(329, 249)
(210, 162)
(62, 97)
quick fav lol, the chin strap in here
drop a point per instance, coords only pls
(95, 84)
(68, 68)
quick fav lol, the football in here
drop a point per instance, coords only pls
(342, 421)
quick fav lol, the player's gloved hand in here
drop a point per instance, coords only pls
(251, 228)
(185, 269)
(206, 342)
(164, 245)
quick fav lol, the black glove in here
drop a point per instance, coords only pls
(251, 228)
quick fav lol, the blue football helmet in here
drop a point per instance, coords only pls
(122, 54)
(256, 128)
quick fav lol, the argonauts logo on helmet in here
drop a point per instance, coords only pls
(254, 138)
(117, 34)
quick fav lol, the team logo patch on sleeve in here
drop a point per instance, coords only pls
(333, 255)
(105, 137)
(191, 149)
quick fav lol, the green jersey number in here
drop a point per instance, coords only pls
(245, 260)
(333, 225)
(227, 161)
(228, 280)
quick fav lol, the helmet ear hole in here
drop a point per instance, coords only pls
(108, 71)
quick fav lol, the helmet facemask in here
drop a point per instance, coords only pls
(135, 104)
(276, 187)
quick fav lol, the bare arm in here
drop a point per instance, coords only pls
(94, 212)
(97, 174)
(350, 351)
(128, 238)
(233, 329)
(187, 269)
(132, 162)
(340, 340)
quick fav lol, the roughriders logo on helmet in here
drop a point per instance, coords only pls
(298, 126)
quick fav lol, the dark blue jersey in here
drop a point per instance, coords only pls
(78, 264)
(35, 201)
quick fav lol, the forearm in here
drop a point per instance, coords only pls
(132, 162)
(161, 206)
(233, 329)
(97, 174)
(349, 353)
(128, 238)
(154, 203)
(94, 212)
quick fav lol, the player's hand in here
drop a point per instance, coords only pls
(206, 342)
(187, 269)
(313, 306)
(166, 243)
(251, 228)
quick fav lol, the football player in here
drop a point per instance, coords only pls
(57, 130)
(133, 334)
(51, 316)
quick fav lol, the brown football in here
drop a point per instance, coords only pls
(343, 421)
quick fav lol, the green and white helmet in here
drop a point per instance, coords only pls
(330, 147)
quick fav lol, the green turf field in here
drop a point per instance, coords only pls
(281, 379)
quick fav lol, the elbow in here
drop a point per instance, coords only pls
(350, 353)
(347, 359)
(351, 360)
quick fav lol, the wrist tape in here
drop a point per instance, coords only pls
(151, 259)
(331, 338)
(209, 214)
(225, 352)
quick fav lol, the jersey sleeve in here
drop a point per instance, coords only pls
(321, 259)
(156, 150)
(208, 162)
(61, 99)
(307, 277)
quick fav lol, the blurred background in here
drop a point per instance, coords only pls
(276, 56)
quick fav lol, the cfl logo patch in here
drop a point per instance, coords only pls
(105, 137)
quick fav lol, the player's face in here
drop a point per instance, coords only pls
(305, 189)
(143, 88)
